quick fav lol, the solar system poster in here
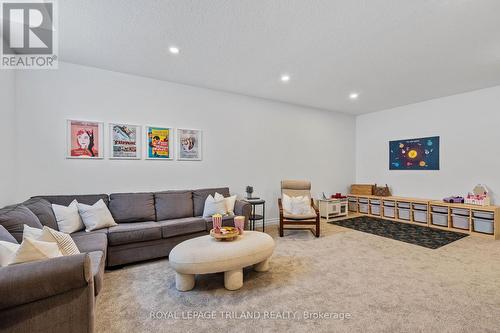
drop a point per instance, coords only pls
(414, 154)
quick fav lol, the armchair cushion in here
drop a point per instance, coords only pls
(296, 188)
(309, 216)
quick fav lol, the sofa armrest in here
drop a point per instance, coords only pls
(28, 282)
(243, 208)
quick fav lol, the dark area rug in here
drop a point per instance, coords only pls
(408, 233)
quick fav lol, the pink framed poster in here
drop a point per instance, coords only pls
(84, 139)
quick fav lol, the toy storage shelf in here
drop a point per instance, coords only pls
(482, 221)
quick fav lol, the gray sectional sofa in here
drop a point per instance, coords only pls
(58, 295)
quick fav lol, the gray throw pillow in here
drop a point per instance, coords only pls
(6, 236)
(43, 210)
(13, 218)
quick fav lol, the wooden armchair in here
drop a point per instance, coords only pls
(295, 188)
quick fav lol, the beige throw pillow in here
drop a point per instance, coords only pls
(32, 250)
(7, 252)
(64, 241)
(230, 201)
(30, 232)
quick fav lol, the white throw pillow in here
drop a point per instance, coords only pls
(96, 216)
(214, 206)
(230, 202)
(31, 232)
(64, 241)
(31, 250)
(300, 205)
(68, 218)
(7, 252)
(287, 203)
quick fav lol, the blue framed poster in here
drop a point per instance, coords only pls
(414, 154)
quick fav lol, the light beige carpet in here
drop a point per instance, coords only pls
(385, 286)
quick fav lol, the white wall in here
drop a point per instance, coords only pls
(7, 124)
(469, 127)
(247, 141)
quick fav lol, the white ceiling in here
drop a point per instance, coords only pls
(393, 52)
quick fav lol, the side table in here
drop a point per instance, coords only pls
(257, 217)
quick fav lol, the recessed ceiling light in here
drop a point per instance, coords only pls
(353, 95)
(285, 78)
(173, 49)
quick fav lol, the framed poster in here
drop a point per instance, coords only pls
(84, 139)
(188, 144)
(159, 143)
(125, 141)
(414, 154)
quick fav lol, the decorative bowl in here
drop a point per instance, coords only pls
(225, 234)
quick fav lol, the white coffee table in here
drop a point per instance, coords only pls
(204, 255)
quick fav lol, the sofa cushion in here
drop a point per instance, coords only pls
(126, 233)
(97, 263)
(199, 197)
(184, 226)
(132, 207)
(83, 232)
(66, 200)
(90, 241)
(13, 218)
(43, 210)
(173, 205)
(227, 221)
(6, 236)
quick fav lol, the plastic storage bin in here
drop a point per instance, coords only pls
(482, 225)
(404, 214)
(363, 207)
(483, 215)
(439, 209)
(375, 201)
(420, 207)
(389, 212)
(389, 203)
(460, 221)
(420, 216)
(375, 209)
(460, 211)
(439, 219)
(404, 205)
(353, 206)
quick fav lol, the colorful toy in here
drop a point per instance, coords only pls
(479, 196)
(454, 199)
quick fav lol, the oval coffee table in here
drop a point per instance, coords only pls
(204, 255)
